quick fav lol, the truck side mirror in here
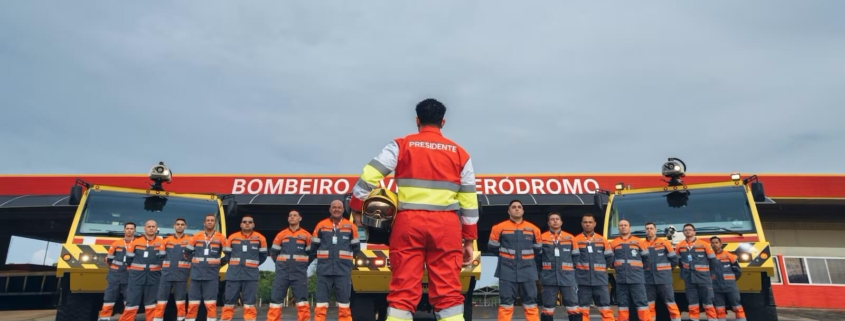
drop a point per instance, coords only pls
(75, 195)
(757, 192)
(232, 208)
(598, 201)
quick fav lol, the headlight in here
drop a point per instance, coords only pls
(744, 257)
(379, 262)
(735, 176)
(85, 258)
(362, 262)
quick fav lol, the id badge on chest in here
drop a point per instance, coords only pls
(590, 248)
(244, 248)
(689, 257)
(146, 254)
(557, 252)
(334, 239)
(205, 252)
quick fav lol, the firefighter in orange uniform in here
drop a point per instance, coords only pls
(630, 255)
(117, 276)
(558, 273)
(174, 271)
(335, 242)
(724, 278)
(246, 251)
(595, 255)
(144, 273)
(205, 252)
(435, 180)
(658, 272)
(519, 244)
(697, 260)
(291, 250)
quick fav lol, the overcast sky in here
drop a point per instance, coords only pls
(290, 87)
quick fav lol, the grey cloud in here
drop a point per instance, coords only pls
(541, 87)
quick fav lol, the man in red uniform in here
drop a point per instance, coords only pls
(435, 179)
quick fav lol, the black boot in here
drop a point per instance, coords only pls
(546, 317)
(575, 317)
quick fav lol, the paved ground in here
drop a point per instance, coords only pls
(479, 314)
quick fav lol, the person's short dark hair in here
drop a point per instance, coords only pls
(212, 215)
(515, 201)
(294, 210)
(690, 225)
(651, 223)
(247, 215)
(130, 223)
(181, 219)
(554, 213)
(716, 238)
(624, 219)
(431, 112)
(588, 215)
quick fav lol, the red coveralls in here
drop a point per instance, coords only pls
(435, 179)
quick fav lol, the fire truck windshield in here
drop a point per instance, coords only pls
(721, 210)
(105, 212)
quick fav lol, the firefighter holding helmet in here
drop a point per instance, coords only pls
(436, 212)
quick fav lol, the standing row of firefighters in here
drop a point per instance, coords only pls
(147, 269)
(575, 267)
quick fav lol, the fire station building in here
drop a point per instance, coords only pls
(803, 217)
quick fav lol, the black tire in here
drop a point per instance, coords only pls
(757, 308)
(79, 306)
(363, 307)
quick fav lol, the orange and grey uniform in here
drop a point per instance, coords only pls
(335, 245)
(630, 256)
(557, 275)
(658, 276)
(518, 245)
(724, 286)
(205, 252)
(696, 259)
(291, 250)
(438, 206)
(245, 253)
(117, 279)
(595, 254)
(174, 275)
(144, 265)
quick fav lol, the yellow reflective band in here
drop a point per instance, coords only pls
(468, 200)
(393, 318)
(459, 317)
(372, 175)
(428, 196)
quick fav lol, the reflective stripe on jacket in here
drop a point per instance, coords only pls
(662, 260)
(432, 173)
(594, 258)
(205, 265)
(630, 255)
(518, 245)
(558, 270)
(724, 276)
(144, 263)
(116, 259)
(335, 246)
(245, 253)
(174, 265)
(291, 250)
(696, 260)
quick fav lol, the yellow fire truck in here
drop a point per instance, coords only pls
(371, 277)
(100, 216)
(726, 209)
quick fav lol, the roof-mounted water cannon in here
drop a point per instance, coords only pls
(674, 169)
(158, 174)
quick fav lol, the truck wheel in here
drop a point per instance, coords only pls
(757, 308)
(363, 307)
(79, 306)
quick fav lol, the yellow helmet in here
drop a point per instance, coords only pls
(380, 208)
